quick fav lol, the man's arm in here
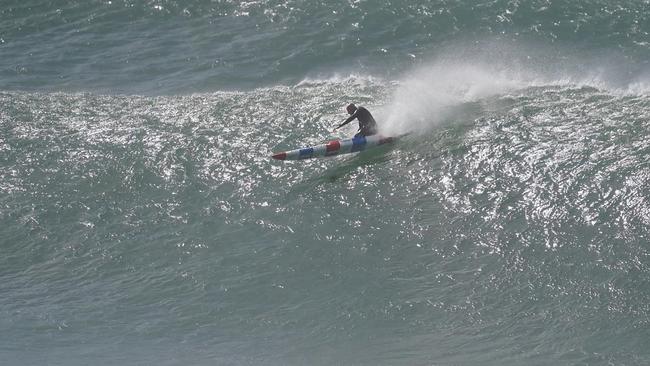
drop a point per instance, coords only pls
(350, 119)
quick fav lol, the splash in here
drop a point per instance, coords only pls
(431, 94)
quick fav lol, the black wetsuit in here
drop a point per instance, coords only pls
(367, 124)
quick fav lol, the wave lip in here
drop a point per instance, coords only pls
(155, 47)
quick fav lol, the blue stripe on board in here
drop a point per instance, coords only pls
(306, 152)
(359, 140)
(358, 143)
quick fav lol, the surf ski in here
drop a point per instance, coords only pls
(337, 147)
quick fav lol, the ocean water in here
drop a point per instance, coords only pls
(142, 221)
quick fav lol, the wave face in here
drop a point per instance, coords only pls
(143, 222)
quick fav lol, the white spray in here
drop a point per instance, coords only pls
(428, 96)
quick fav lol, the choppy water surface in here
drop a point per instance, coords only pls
(142, 221)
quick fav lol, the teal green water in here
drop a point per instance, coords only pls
(143, 223)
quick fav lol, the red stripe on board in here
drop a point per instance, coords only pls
(333, 146)
(280, 156)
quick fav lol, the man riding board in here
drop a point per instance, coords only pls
(367, 124)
